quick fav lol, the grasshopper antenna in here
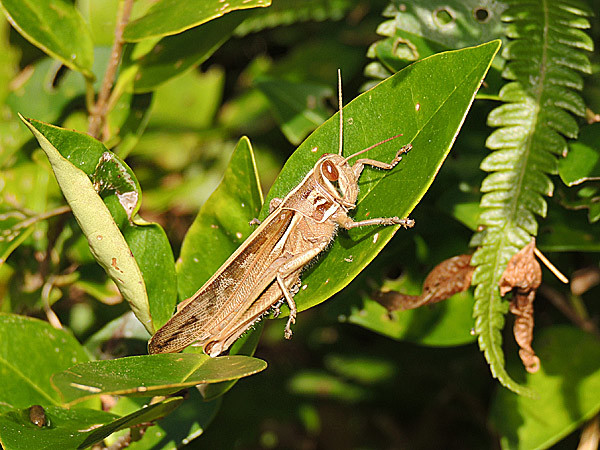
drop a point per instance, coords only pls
(341, 140)
(376, 145)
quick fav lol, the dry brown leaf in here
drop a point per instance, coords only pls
(446, 279)
(523, 275)
(522, 307)
(396, 301)
(523, 272)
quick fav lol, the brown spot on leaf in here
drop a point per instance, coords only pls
(446, 279)
(523, 275)
(113, 263)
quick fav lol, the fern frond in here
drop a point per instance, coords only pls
(288, 12)
(544, 56)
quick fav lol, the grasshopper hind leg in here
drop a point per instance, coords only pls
(291, 305)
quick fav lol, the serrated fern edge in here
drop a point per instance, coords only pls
(544, 57)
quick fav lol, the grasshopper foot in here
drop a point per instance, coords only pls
(288, 326)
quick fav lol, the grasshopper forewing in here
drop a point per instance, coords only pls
(265, 270)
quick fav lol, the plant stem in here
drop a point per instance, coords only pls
(99, 110)
(43, 216)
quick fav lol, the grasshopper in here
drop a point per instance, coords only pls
(265, 270)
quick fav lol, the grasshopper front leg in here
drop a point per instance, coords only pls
(347, 222)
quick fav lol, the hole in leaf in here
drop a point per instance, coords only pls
(443, 17)
(481, 14)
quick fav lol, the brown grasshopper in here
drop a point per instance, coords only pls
(265, 270)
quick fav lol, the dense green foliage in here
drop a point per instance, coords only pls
(137, 139)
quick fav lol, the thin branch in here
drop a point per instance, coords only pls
(561, 303)
(551, 267)
(99, 111)
(43, 216)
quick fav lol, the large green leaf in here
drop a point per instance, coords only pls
(427, 103)
(65, 428)
(138, 255)
(174, 55)
(567, 389)
(56, 27)
(172, 16)
(73, 428)
(30, 352)
(150, 375)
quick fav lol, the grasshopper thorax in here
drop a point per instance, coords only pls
(336, 180)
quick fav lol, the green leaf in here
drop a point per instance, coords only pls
(198, 94)
(74, 428)
(101, 15)
(222, 223)
(150, 375)
(245, 345)
(65, 428)
(298, 107)
(421, 28)
(567, 231)
(151, 248)
(427, 103)
(445, 324)
(174, 55)
(582, 163)
(57, 91)
(148, 413)
(148, 280)
(30, 352)
(567, 388)
(172, 16)
(150, 274)
(56, 27)
(104, 237)
(288, 12)
(126, 328)
(187, 422)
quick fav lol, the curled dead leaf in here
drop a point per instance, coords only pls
(523, 275)
(522, 307)
(523, 271)
(446, 279)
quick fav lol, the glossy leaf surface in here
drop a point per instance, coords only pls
(30, 352)
(427, 103)
(150, 375)
(104, 195)
(172, 16)
(56, 27)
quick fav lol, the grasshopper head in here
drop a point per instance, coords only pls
(336, 177)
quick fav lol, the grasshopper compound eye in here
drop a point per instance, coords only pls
(330, 172)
